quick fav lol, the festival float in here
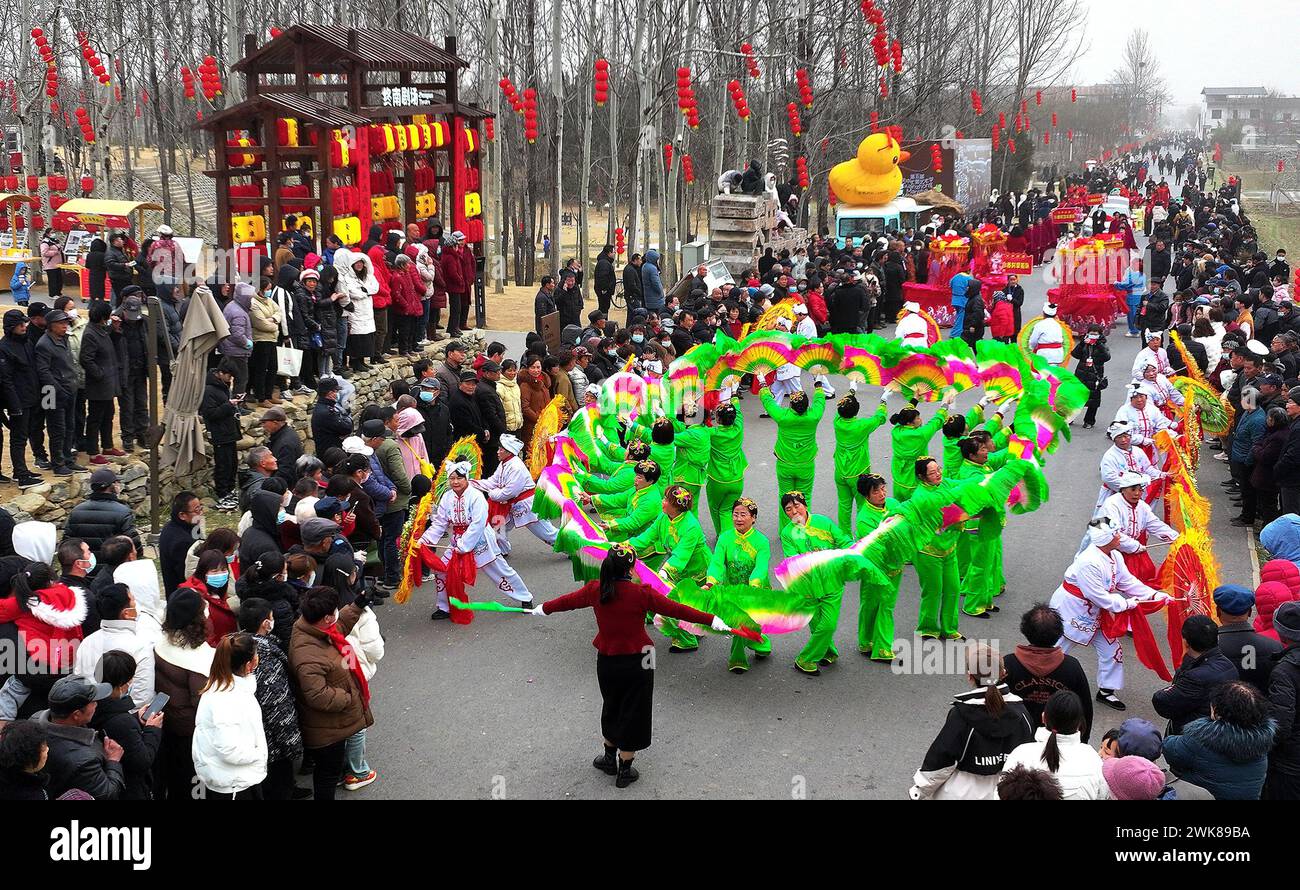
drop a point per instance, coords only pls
(1086, 270)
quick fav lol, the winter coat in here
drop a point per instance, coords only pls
(569, 303)
(1279, 583)
(275, 695)
(265, 317)
(1286, 471)
(16, 784)
(324, 312)
(1249, 430)
(332, 707)
(632, 288)
(330, 424)
(220, 417)
(438, 299)
(543, 305)
(1263, 457)
(605, 280)
(466, 417)
(281, 596)
(1227, 760)
(511, 401)
(534, 396)
(492, 409)
(221, 617)
(1282, 538)
(408, 290)
(286, 445)
(1188, 697)
(99, 517)
(367, 641)
(20, 388)
(120, 273)
(181, 672)
(1251, 653)
(1079, 773)
(437, 429)
(229, 745)
(236, 312)
(383, 296)
(964, 762)
(135, 340)
(54, 367)
(1284, 697)
(652, 287)
(118, 719)
(360, 291)
(99, 360)
(1034, 673)
(97, 268)
(77, 760)
(1002, 320)
(263, 536)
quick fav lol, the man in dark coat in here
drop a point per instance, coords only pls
(605, 280)
(330, 424)
(221, 418)
(135, 375)
(101, 515)
(1203, 670)
(494, 414)
(846, 305)
(58, 378)
(284, 442)
(1283, 782)
(466, 417)
(568, 300)
(437, 419)
(544, 302)
(20, 392)
(1250, 652)
(77, 758)
(632, 285)
(177, 537)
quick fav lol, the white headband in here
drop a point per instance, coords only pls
(460, 468)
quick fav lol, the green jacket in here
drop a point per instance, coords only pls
(740, 559)
(870, 517)
(951, 449)
(852, 449)
(968, 470)
(635, 509)
(692, 457)
(945, 539)
(819, 534)
(622, 479)
(796, 434)
(682, 539)
(727, 460)
(910, 443)
(389, 455)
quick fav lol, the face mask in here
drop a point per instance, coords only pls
(311, 580)
(230, 560)
(426, 396)
(219, 579)
(638, 338)
(612, 353)
(93, 562)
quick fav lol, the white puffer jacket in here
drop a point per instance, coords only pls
(367, 642)
(360, 291)
(229, 742)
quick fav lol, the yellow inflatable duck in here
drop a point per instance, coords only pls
(873, 177)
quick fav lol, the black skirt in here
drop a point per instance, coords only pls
(627, 688)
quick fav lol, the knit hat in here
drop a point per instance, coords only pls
(183, 606)
(314, 531)
(1133, 778)
(1234, 599)
(308, 273)
(327, 385)
(1286, 621)
(13, 318)
(1139, 737)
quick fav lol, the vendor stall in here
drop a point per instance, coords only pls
(13, 249)
(84, 219)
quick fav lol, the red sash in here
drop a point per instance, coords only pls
(499, 510)
(1115, 624)
(459, 572)
(1041, 346)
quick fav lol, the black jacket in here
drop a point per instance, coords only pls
(99, 360)
(490, 407)
(286, 445)
(632, 285)
(437, 429)
(77, 760)
(543, 305)
(54, 367)
(1284, 698)
(1034, 673)
(135, 337)
(263, 536)
(846, 304)
(21, 388)
(117, 719)
(98, 518)
(569, 303)
(219, 415)
(330, 425)
(973, 740)
(1188, 697)
(605, 281)
(1161, 263)
(1286, 472)
(281, 596)
(174, 543)
(18, 785)
(97, 268)
(466, 418)
(1252, 654)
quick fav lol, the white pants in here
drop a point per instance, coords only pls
(541, 529)
(507, 581)
(787, 387)
(825, 381)
(1110, 659)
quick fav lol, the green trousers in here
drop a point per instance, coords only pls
(792, 478)
(983, 578)
(940, 589)
(876, 617)
(739, 657)
(821, 632)
(722, 496)
(850, 500)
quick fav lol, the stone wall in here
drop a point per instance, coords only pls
(52, 501)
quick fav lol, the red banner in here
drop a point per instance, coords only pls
(1068, 215)
(1094, 200)
(1011, 264)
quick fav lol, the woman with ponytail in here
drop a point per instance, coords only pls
(229, 745)
(909, 439)
(211, 580)
(984, 725)
(624, 665)
(1058, 748)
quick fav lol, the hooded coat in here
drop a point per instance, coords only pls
(965, 760)
(1279, 583)
(652, 287)
(383, 296)
(236, 313)
(407, 287)
(605, 280)
(99, 360)
(97, 267)
(20, 387)
(1227, 760)
(263, 536)
(219, 416)
(361, 290)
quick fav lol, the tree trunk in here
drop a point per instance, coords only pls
(584, 189)
(557, 88)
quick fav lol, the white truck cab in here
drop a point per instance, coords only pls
(859, 222)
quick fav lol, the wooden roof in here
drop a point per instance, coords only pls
(303, 108)
(329, 45)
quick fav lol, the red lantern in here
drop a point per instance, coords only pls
(896, 51)
(875, 122)
(1281, 166)
(87, 184)
(490, 129)
(805, 87)
(801, 167)
(1011, 145)
(936, 157)
(1024, 107)
(997, 138)
(976, 102)
(688, 169)
(1074, 95)
(1069, 134)
(884, 88)
(33, 183)
(601, 90)
(1002, 120)
(1047, 139)
(1038, 97)
(620, 246)
(275, 32)
(792, 112)
(668, 155)
(1053, 118)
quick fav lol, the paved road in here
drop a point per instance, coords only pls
(509, 706)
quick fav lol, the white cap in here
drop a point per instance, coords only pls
(513, 444)
(460, 468)
(1130, 478)
(783, 323)
(1257, 347)
(1050, 310)
(357, 445)
(800, 309)
(912, 306)
(1102, 533)
(1118, 428)
(1137, 389)
(165, 229)
(593, 389)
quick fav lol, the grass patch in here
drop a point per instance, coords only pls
(1280, 228)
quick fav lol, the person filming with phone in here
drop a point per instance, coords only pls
(138, 730)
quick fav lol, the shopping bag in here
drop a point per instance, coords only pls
(288, 361)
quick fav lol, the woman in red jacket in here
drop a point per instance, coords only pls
(211, 580)
(1002, 318)
(626, 676)
(407, 287)
(48, 616)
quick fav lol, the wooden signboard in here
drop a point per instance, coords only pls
(551, 332)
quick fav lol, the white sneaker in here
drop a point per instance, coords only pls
(1221, 456)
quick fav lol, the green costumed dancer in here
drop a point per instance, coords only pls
(936, 562)
(676, 532)
(979, 550)
(853, 452)
(659, 433)
(956, 427)
(727, 461)
(691, 461)
(741, 557)
(631, 510)
(808, 533)
(911, 439)
(876, 601)
(796, 440)
(620, 475)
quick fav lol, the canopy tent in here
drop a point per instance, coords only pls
(184, 445)
(103, 212)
